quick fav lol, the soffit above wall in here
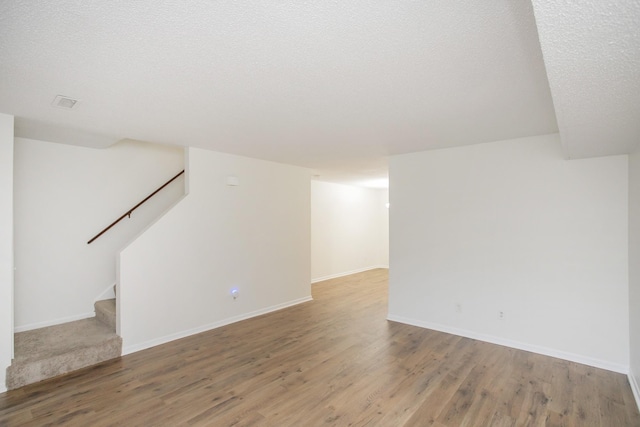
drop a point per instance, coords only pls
(591, 51)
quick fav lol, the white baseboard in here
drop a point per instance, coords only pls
(128, 349)
(53, 322)
(634, 387)
(347, 273)
(585, 360)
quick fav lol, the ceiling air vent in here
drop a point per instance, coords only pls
(64, 102)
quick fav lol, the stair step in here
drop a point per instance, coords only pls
(106, 312)
(55, 350)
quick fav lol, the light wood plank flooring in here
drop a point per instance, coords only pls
(333, 361)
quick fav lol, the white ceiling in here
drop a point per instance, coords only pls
(592, 55)
(333, 86)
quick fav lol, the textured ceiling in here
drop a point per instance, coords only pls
(333, 86)
(592, 55)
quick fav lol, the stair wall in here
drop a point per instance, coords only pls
(6, 245)
(254, 236)
(64, 196)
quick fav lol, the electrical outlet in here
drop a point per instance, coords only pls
(458, 308)
(501, 315)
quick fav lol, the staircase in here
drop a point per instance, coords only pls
(45, 353)
(55, 350)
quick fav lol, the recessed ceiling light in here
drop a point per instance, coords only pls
(61, 101)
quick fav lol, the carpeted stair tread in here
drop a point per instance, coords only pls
(55, 350)
(59, 339)
(106, 312)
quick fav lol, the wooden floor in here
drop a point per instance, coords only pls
(333, 361)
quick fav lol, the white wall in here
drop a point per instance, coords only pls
(383, 202)
(176, 278)
(6, 246)
(634, 271)
(64, 195)
(349, 229)
(510, 226)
